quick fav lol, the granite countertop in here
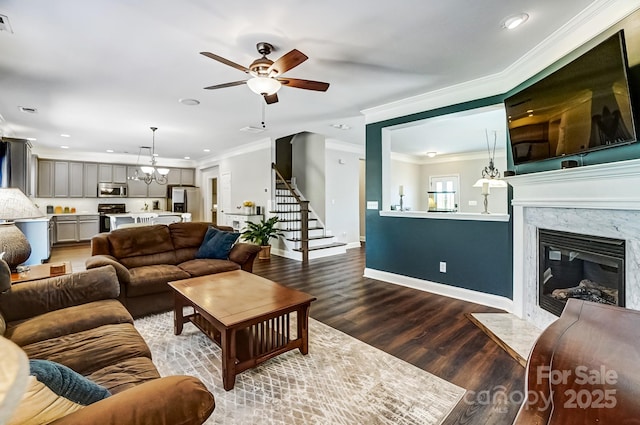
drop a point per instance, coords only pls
(72, 214)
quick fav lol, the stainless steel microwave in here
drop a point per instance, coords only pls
(112, 190)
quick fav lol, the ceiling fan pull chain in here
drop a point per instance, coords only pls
(263, 114)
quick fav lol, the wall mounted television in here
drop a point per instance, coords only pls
(581, 107)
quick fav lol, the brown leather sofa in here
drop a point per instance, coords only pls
(76, 320)
(147, 257)
(583, 368)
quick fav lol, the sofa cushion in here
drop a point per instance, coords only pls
(93, 349)
(146, 242)
(201, 267)
(153, 279)
(67, 321)
(125, 374)
(187, 234)
(217, 244)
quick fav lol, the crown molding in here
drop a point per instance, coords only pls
(592, 21)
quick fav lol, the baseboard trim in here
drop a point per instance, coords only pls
(463, 294)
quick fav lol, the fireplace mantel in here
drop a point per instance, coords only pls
(601, 186)
(600, 200)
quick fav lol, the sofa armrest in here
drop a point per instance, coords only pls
(244, 254)
(171, 400)
(32, 298)
(108, 260)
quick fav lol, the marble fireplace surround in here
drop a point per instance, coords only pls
(598, 200)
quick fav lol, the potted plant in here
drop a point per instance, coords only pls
(261, 233)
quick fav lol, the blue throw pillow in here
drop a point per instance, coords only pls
(211, 232)
(218, 246)
(67, 383)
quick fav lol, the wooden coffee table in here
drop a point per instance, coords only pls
(246, 315)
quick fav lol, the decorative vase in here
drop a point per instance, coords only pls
(248, 210)
(265, 252)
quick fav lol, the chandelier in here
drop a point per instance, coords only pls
(150, 173)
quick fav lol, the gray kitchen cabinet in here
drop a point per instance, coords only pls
(61, 179)
(76, 179)
(157, 190)
(105, 173)
(88, 226)
(174, 176)
(182, 176)
(90, 180)
(45, 179)
(76, 228)
(188, 176)
(119, 173)
(136, 188)
(66, 229)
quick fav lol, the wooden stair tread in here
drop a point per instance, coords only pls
(293, 220)
(298, 230)
(316, 248)
(311, 238)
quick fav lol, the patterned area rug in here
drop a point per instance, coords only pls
(341, 381)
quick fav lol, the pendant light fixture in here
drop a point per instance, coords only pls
(150, 173)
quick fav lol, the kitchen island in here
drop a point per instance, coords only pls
(164, 217)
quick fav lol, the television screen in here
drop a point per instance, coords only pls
(583, 106)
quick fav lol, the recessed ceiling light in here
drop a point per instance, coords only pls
(189, 102)
(431, 154)
(64, 147)
(65, 135)
(514, 21)
(187, 157)
(155, 154)
(206, 150)
(341, 126)
(110, 150)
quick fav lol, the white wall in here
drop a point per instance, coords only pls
(250, 179)
(343, 195)
(407, 175)
(308, 167)
(469, 171)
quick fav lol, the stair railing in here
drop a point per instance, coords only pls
(304, 212)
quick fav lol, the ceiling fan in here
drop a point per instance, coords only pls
(267, 75)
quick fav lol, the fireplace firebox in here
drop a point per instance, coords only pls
(579, 266)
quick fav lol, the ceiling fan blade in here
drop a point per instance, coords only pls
(270, 98)
(221, 86)
(226, 61)
(287, 62)
(304, 84)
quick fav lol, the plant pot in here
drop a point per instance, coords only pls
(265, 252)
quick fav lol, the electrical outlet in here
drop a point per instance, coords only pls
(443, 266)
(473, 203)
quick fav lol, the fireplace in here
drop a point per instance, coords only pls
(580, 266)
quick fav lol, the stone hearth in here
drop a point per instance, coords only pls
(599, 200)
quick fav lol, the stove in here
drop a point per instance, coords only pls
(103, 209)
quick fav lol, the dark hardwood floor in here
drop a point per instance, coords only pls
(426, 330)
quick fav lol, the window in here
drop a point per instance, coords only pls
(446, 198)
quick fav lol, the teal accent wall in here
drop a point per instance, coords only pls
(478, 253)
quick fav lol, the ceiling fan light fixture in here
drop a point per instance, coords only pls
(264, 85)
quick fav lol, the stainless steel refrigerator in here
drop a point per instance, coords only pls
(185, 199)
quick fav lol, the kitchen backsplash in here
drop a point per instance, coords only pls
(90, 205)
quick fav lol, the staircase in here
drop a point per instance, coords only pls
(304, 234)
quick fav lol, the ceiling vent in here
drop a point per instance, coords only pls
(4, 24)
(252, 129)
(28, 110)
